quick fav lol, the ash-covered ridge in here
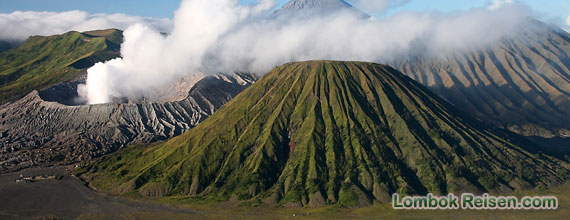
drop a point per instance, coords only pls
(34, 131)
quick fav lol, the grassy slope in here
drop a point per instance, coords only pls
(43, 61)
(317, 132)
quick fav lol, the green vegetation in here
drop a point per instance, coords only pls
(328, 132)
(43, 61)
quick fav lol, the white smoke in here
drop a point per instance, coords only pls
(19, 25)
(151, 61)
(221, 36)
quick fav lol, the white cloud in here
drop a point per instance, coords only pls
(500, 3)
(242, 38)
(20, 25)
(567, 28)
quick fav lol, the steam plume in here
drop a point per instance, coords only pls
(221, 36)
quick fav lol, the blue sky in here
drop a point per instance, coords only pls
(547, 10)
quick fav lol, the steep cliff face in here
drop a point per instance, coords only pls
(330, 132)
(522, 83)
(34, 131)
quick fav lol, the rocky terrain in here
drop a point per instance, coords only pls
(329, 132)
(34, 131)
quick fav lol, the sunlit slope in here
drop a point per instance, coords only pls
(327, 132)
(43, 61)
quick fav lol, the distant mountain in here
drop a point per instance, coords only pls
(44, 61)
(330, 132)
(521, 83)
(311, 7)
(37, 130)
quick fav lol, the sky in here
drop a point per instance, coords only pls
(20, 19)
(552, 11)
(547, 10)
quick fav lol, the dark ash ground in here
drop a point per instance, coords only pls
(67, 198)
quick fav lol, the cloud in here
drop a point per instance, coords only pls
(500, 3)
(372, 6)
(245, 38)
(151, 61)
(567, 24)
(19, 25)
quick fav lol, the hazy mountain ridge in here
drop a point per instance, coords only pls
(330, 132)
(522, 83)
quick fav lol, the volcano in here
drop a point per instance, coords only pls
(330, 132)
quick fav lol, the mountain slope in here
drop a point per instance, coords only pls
(43, 61)
(521, 83)
(35, 130)
(6, 45)
(319, 132)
